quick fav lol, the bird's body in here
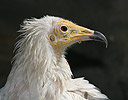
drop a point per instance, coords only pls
(40, 70)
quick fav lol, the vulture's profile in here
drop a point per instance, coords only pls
(40, 70)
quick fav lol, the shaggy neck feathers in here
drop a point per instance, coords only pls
(35, 62)
(39, 74)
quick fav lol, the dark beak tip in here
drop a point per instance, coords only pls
(98, 36)
(106, 44)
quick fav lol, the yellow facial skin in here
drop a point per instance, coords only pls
(66, 33)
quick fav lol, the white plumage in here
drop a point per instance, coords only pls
(40, 70)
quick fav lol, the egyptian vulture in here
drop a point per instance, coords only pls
(40, 70)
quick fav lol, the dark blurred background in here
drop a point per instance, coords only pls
(105, 68)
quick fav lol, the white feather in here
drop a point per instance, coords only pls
(36, 75)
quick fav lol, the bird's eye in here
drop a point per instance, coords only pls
(63, 28)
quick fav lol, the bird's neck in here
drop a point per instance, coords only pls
(34, 68)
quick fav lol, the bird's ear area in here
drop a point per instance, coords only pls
(59, 31)
(52, 37)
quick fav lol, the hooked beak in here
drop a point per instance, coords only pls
(86, 34)
(98, 36)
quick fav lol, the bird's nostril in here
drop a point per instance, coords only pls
(85, 31)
